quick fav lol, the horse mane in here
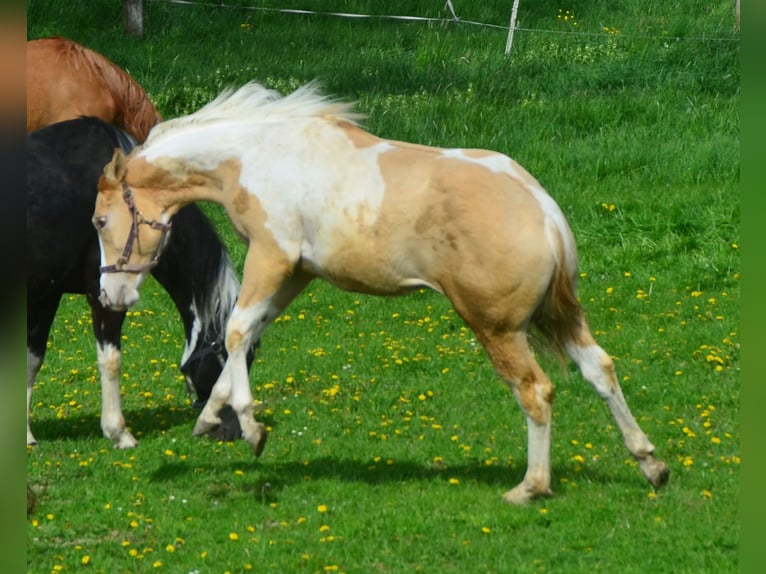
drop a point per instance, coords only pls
(135, 111)
(252, 103)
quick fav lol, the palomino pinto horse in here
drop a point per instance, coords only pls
(64, 163)
(66, 80)
(316, 196)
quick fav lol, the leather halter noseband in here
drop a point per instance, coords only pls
(122, 265)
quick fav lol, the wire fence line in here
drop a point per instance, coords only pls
(453, 19)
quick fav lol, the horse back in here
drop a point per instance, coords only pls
(66, 80)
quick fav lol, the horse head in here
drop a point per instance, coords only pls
(132, 229)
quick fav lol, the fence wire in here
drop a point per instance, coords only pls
(453, 19)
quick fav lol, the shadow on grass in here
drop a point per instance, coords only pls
(272, 478)
(141, 422)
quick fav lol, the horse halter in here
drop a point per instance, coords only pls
(122, 265)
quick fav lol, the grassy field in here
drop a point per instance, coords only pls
(391, 438)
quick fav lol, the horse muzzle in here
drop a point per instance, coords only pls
(119, 291)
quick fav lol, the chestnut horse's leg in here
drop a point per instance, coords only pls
(597, 368)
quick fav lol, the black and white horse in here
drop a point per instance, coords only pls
(64, 163)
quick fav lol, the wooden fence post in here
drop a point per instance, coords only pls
(133, 17)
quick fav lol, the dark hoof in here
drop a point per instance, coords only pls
(259, 441)
(229, 430)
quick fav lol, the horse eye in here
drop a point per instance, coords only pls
(99, 222)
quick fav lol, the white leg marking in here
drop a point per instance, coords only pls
(598, 369)
(233, 385)
(537, 479)
(112, 420)
(34, 362)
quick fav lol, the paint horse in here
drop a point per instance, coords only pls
(66, 80)
(314, 195)
(64, 163)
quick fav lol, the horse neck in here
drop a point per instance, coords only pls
(196, 271)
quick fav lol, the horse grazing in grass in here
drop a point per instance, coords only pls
(66, 80)
(64, 163)
(316, 196)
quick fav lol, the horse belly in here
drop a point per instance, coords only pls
(364, 265)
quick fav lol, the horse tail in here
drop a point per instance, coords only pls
(134, 111)
(559, 317)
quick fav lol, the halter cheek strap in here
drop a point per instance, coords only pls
(122, 265)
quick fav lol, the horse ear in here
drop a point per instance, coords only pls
(114, 172)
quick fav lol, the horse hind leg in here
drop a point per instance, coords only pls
(598, 369)
(515, 364)
(34, 362)
(40, 315)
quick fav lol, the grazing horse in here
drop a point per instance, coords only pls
(314, 195)
(64, 163)
(66, 80)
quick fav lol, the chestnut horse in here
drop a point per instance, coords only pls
(314, 195)
(66, 80)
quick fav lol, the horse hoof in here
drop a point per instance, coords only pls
(258, 439)
(522, 494)
(125, 440)
(655, 471)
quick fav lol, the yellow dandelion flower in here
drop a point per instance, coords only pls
(85, 560)
(322, 508)
(486, 529)
(233, 536)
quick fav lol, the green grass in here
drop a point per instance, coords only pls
(391, 439)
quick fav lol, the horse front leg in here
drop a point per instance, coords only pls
(40, 315)
(107, 326)
(259, 303)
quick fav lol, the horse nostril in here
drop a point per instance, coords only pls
(99, 222)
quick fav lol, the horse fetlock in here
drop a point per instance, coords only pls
(205, 424)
